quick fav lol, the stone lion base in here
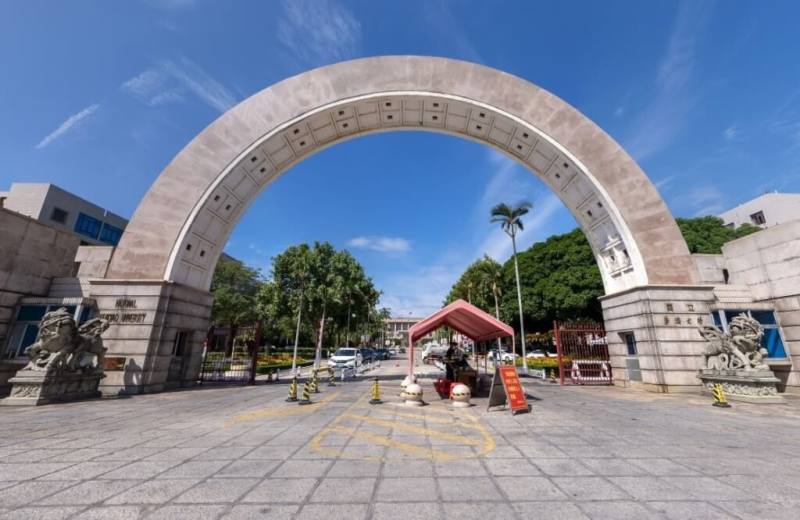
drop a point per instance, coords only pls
(749, 386)
(33, 388)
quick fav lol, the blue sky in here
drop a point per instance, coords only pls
(98, 96)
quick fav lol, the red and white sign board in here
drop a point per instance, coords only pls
(507, 389)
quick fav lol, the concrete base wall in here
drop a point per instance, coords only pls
(664, 321)
(146, 318)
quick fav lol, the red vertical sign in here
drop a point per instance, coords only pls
(514, 391)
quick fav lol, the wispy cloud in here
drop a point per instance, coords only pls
(381, 244)
(730, 133)
(537, 226)
(172, 5)
(70, 123)
(319, 31)
(707, 200)
(171, 81)
(661, 121)
(447, 31)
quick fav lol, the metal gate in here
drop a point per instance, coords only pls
(218, 368)
(582, 352)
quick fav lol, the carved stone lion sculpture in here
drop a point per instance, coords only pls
(738, 350)
(63, 346)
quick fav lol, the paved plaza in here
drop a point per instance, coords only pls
(242, 452)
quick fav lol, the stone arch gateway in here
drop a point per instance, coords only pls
(176, 235)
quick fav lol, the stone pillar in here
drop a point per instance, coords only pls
(146, 317)
(664, 321)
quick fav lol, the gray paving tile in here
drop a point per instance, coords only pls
(613, 467)
(182, 512)
(247, 468)
(548, 511)
(468, 489)
(690, 511)
(217, 490)
(83, 471)
(589, 488)
(283, 490)
(759, 510)
(529, 488)
(407, 468)
(338, 490)
(407, 511)
(152, 492)
(344, 468)
(111, 513)
(511, 467)
(562, 467)
(476, 511)
(265, 511)
(651, 488)
(302, 468)
(333, 512)
(662, 467)
(406, 489)
(29, 470)
(194, 469)
(460, 468)
(89, 492)
(140, 470)
(618, 511)
(40, 513)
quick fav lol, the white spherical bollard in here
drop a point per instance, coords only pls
(413, 395)
(460, 395)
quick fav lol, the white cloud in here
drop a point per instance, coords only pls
(71, 122)
(423, 291)
(730, 133)
(171, 80)
(319, 31)
(662, 120)
(381, 244)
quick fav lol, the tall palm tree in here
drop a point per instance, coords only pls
(495, 276)
(510, 220)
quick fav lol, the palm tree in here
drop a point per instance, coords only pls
(510, 220)
(495, 276)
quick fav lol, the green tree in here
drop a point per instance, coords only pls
(707, 235)
(510, 220)
(234, 287)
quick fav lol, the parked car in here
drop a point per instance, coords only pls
(367, 354)
(345, 357)
(432, 351)
(383, 354)
(503, 355)
(538, 353)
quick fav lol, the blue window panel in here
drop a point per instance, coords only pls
(773, 343)
(86, 313)
(31, 313)
(765, 317)
(717, 320)
(28, 339)
(88, 226)
(110, 234)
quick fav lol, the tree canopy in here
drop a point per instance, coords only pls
(707, 235)
(234, 287)
(560, 279)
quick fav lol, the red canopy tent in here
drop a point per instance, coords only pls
(463, 317)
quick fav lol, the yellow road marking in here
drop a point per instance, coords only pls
(458, 439)
(381, 440)
(286, 411)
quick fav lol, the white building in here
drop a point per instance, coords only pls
(765, 211)
(62, 210)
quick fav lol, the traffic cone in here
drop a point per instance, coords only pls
(719, 397)
(306, 398)
(376, 392)
(292, 391)
(315, 382)
(331, 377)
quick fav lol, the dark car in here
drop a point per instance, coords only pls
(367, 354)
(383, 354)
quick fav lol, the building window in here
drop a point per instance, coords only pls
(59, 215)
(758, 218)
(179, 346)
(630, 342)
(110, 234)
(88, 226)
(771, 341)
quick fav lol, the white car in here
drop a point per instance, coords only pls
(345, 358)
(533, 354)
(504, 356)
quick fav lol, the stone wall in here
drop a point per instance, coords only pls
(146, 317)
(664, 321)
(31, 254)
(768, 262)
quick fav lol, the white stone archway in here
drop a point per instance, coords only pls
(178, 231)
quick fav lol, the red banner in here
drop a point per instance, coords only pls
(514, 391)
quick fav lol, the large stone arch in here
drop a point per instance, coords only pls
(183, 222)
(155, 289)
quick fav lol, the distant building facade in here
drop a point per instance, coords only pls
(60, 209)
(765, 211)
